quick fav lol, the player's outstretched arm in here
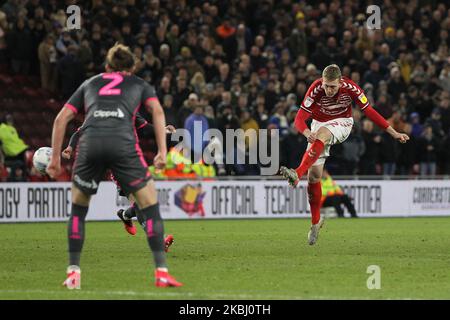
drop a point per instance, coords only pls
(59, 129)
(401, 137)
(373, 115)
(361, 100)
(159, 124)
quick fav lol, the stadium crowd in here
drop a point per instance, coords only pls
(248, 63)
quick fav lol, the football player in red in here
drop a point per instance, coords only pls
(328, 102)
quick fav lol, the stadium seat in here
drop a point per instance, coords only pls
(31, 92)
(6, 80)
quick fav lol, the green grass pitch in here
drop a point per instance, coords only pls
(235, 259)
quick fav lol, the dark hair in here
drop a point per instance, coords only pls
(120, 58)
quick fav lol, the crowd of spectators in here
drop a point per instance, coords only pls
(248, 63)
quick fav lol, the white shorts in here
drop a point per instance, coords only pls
(340, 128)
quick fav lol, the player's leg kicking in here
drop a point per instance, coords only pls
(126, 216)
(312, 154)
(314, 198)
(325, 135)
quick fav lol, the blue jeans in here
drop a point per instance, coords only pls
(427, 168)
(389, 168)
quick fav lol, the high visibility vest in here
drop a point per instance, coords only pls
(157, 173)
(330, 188)
(12, 144)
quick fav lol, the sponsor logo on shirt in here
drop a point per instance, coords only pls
(332, 106)
(362, 98)
(109, 114)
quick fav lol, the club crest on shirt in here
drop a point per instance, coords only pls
(308, 102)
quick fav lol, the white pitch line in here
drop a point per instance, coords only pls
(209, 296)
(169, 294)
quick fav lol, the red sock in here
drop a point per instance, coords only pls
(311, 155)
(315, 197)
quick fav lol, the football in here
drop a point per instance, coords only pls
(41, 159)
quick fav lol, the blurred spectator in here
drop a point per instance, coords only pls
(333, 196)
(271, 97)
(373, 76)
(164, 88)
(396, 84)
(383, 106)
(224, 76)
(371, 154)
(64, 42)
(173, 39)
(242, 104)
(385, 58)
(238, 43)
(48, 59)
(181, 93)
(260, 114)
(86, 58)
(70, 72)
(293, 141)
(210, 69)
(396, 121)
(225, 101)
(169, 112)
(352, 151)
(279, 120)
(388, 154)
(198, 83)
(416, 126)
(407, 155)
(444, 108)
(188, 107)
(210, 116)
(197, 125)
(13, 148)
(151, 64)
(446, 153)
(225, 121)
(248, 123)
(427, 148)
(20, 43)
(434, 121)
(444, 77)
(297, 42)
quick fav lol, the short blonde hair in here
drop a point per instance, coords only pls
(332, 72)
(120, 58)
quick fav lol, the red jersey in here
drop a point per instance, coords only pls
(323, 108)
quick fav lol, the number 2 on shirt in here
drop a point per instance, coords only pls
(109, 90)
